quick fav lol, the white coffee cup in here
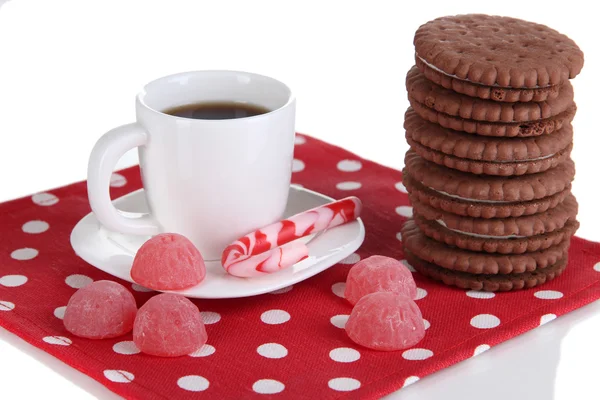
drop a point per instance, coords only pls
(210, 180)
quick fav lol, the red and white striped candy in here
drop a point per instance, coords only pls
(273, 247)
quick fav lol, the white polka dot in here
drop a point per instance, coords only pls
(405, 211)
(344, 355)
(24, 254)
(426, 324)
(44, 199)
(400, 186)
(485, 321)
(13, 280)
(35, 226)
(476, 294)
(193, 383)
(283, 290)
(348, 185)
(6, 306)
(203, 351)
(597, 267)
(297, 165)
(338, 289)
(118, 375)
(548, 294)
(127, 348)
(117, 180)
(349, 165)
(140, 288)
(351, 259)
(407, 264)
(272, 350)
(339, 321)
(78, 281)
(480, 349)
(547, 318)
(299, 140)
(399, 236)
(344, 384)
(268, 386)
(210, 317)
(410, 380)
(59, 312)
(417, 354)
(58, 340)
(275, 317)
(420, 293)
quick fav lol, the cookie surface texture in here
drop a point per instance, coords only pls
(498, 51)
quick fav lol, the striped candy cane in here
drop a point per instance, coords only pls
(273, 247)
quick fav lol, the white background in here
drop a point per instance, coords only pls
(69, 71)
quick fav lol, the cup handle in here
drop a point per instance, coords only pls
(105, 155)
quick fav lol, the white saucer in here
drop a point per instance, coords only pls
(114, 252)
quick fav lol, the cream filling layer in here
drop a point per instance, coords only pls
(468, 199)
(466, 80)
(509, 162)
(439, 221)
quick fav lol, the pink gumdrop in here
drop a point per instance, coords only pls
(169, 325)
(386, 321)
(168, 262)
(379, 274)
(101, 310)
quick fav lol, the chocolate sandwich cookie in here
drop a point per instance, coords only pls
(498, 51)
(494, 244)
(522, 129)
(489, 118)
(485, 155)
(488, 167)
(488, 282)
(494, 93)
(525, 226)
(472, 262)
(485, 188)
(478, 209)
(455, 104)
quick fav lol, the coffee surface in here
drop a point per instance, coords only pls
(217, 110)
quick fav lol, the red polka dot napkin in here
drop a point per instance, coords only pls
(288, 344)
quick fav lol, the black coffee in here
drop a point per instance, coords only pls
(217, 110)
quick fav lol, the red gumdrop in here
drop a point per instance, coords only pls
(168, 261)
(386, 321)
(101, 310)
(379, 274)
(169, 325)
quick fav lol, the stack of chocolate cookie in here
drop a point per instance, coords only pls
(489, 170)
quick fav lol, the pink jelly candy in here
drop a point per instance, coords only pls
(168, 262)
(379, 274)
(101, 310)
(386, 321)
(169, 325)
